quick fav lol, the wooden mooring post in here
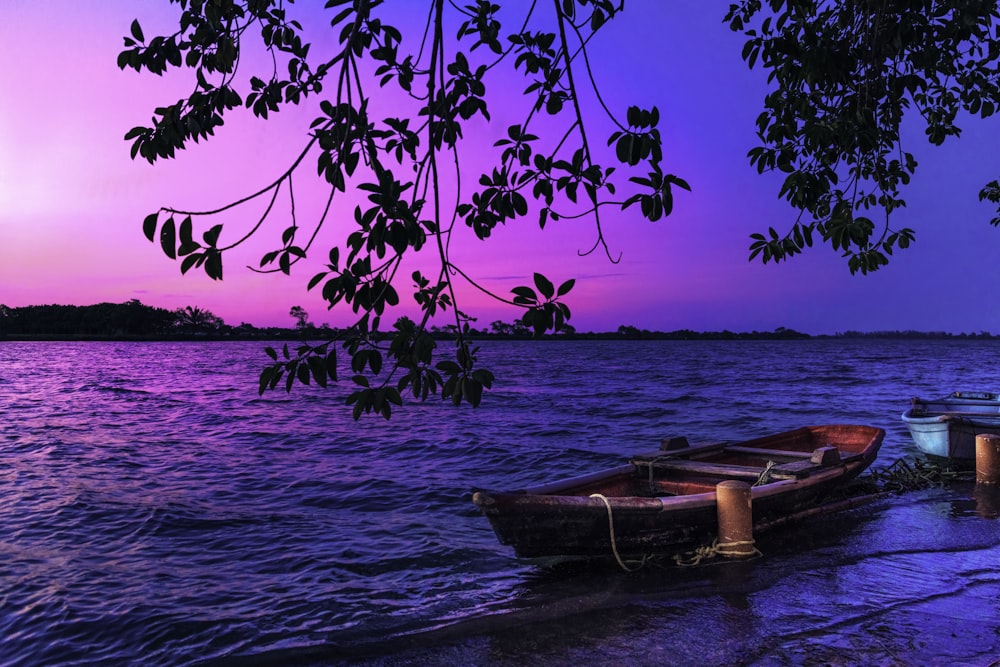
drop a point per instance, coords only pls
(735, 516)
(988, 459)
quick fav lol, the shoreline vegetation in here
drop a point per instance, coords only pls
(135, 321)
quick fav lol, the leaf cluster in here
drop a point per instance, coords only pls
(544, 310)
(843, 75)
(177, 241)
(392, 156)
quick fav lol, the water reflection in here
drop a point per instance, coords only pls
(978, 500)
(987, 501)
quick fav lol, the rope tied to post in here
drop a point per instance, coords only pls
(716, 548)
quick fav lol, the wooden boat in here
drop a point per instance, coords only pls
(946, 428)
(665, 501)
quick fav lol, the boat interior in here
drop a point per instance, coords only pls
(698, 469)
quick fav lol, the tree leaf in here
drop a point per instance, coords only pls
(525, 293)
(211, 237)
(213, 264)
(545, 288)
(149, 226)
(136, 31)
(168, 238)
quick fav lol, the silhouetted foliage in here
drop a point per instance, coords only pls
(106, 320)
(399, 155)
(843, 77)
(192, 319)
(843, 74)
(301, 317)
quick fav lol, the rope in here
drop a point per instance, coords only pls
(649, 465)
(611, 531)
(765, 474)
(712, 550)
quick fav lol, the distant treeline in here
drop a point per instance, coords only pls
(103, 319)
(781, 333)
(134, 320)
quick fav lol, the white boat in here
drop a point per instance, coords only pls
(946, 428)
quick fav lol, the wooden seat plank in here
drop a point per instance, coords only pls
(769, 453)
(705, 468)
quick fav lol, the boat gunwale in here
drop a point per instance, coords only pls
(550, 488)
(935, 417)
(664, 503)
(955, 404)
(541, 496)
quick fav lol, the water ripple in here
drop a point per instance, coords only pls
(162, 514)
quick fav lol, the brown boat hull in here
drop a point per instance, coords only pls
(675, 507)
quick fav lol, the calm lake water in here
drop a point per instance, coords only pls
(155, 511)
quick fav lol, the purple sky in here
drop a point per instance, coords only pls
(72, 202)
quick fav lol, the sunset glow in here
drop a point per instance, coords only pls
(72, 201)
